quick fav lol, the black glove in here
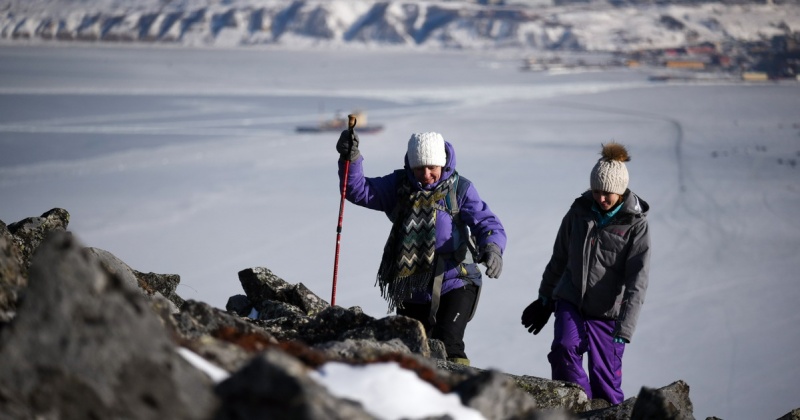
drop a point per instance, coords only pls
(536, 315)
(348, 151)
(490, 255)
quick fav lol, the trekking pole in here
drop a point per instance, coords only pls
(351, 124)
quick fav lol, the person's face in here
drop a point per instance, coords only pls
(605, 200)
(427, 175)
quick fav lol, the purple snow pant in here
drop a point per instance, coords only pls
(576, 335)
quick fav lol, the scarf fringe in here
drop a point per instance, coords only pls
(395, 292)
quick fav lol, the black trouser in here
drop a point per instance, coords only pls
(455, 308)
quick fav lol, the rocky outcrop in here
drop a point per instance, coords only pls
(30, 232)
(84, 344)
(792, 415)
(668, 403)
(13, 275)
(94, 338)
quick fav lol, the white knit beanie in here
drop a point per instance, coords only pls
(426, 149)
(609, 173)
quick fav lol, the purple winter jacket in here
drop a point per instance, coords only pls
(380, 193)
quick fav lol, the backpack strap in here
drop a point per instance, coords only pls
(452, 203)
(466, 252)
(462, 185)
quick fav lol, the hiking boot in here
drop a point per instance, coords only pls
(459, 360)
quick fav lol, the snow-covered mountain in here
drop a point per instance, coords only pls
(401, 23)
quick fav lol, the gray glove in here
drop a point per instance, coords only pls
(347, 150)
(491, 257)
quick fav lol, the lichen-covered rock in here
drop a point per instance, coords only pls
(198, 319)
(438, 351)
(554, 394)
(496, 396)
(340, 324)
(30, 232)
(356, 350)
(164, 284)
(273, 309)
(792, 415)
(117, 267)
(261, 284)
(405, 329)
(13, 275)
(548, 395)
(669, 403)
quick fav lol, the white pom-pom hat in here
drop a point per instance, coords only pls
(426, 149)
(609, 173)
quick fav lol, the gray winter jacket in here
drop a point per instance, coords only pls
(603, 271)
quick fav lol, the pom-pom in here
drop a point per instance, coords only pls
(615, 151)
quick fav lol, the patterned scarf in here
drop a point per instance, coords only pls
(407, 265)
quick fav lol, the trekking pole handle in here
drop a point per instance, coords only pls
(351, 125)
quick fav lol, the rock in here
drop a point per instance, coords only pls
(361, 350)
(291, 313)
(95, 338)
(225, 353)
(792, 415)
(275, 385)
(240, 305)
(437, 349)
(86, 345)
(117, 267)
(273, 309)
(496, 396)
(547, 395)
(198, 319)
(551, 394)
(669, 403)
(261, 284)
(18, 241)
(30, 232)
(13, 275)
(405, 329)
(164, 284)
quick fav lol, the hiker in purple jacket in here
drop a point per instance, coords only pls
(596, 280)
(429, 268)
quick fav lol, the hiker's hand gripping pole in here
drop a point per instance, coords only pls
(351, 125)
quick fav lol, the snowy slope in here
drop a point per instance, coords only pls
(185, 161)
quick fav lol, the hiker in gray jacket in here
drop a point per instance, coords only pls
(596, 280)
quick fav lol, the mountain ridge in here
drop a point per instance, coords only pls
(590, 26)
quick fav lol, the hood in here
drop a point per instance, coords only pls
(447, 171)
(633, 205)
